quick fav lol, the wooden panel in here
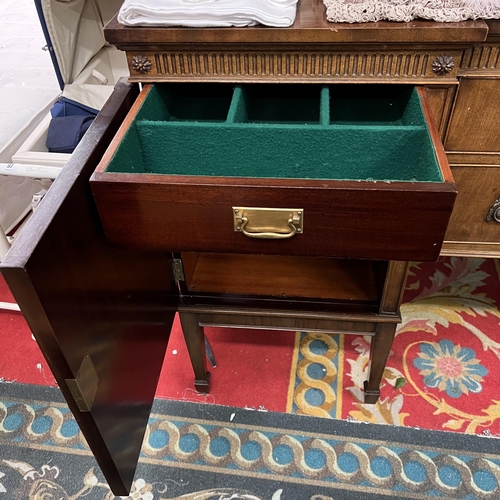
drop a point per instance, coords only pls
(283, 276)
(475, 117)
(347, 219)
(493, 29)
(327, 66)
(484, 57)
(283, 323)
(277, 312)
(279, 319)
(440, 101)
(478, 188)
(471, 249)
(189, 264)
(472, 158)
(394, 287)
(83, 298)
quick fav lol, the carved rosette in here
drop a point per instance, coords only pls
(442, 65)
(141, 64)
(494, 212)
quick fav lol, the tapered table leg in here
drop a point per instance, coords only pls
(195, 341)
(384, 334)
(379, 352)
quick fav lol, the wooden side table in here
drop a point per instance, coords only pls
(381, 326)
(210, 173)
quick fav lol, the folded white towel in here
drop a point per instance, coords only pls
(208, 13)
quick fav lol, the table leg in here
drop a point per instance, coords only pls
(384, 334)
(379, 352)
(195, 341)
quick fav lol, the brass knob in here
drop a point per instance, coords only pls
(494, 212)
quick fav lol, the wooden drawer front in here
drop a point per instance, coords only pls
(368, 174)
(478, 190)
(474, 122)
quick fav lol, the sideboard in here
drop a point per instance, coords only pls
(458, 63)
(101, 306)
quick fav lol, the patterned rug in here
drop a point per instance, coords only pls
(207, 452)
(442, 373)
(443, 369)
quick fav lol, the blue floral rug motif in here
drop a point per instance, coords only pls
(197, 451)
(442, 371)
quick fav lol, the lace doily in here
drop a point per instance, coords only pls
(448, 11)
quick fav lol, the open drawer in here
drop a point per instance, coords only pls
(346, 171)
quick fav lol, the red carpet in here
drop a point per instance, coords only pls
(253, 365)
(20, 358)
(253, 368)
(445, 356)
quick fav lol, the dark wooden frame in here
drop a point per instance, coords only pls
(83, 299)
(381, 326)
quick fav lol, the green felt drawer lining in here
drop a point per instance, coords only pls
(281, 131)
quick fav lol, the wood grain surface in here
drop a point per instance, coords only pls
(82, 297)
(283, 276)
(310, 27)
(476, 115)
(478, 188)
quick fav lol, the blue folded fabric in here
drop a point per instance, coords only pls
(70, 121)
(68, 107)
(65, 132)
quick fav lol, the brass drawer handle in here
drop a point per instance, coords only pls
(268, 223)
(267, 235)
(494, 212)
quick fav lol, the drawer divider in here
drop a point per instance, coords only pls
(237, 110)
(324, 109)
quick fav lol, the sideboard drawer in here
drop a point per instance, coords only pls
(476, 218)
(195, 166)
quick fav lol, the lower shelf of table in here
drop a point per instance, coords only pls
(284, 277)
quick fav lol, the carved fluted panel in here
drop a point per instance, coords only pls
(299, 66)
(482, 57)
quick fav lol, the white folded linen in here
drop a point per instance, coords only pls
(208, 13)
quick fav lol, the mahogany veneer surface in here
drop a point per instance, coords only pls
(343, 218)
(291, 277)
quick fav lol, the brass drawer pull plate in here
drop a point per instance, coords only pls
(268, 223)
(494, 212)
